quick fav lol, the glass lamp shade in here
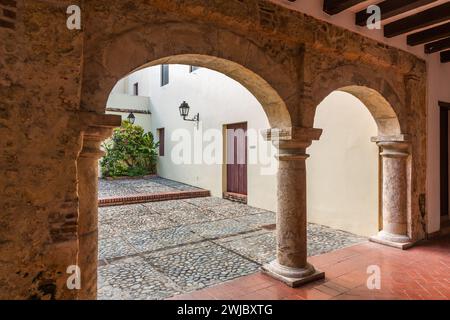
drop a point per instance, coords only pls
(131, 118)
(184, 109)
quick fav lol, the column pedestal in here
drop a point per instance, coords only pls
(394, 196)
(291, 264)
(293, 277)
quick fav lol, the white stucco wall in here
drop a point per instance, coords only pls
(342, 171)
(121, 98)
(220, 101)
(438, 85)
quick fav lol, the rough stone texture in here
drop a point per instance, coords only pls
(202, 265)
(133, 279)
(40, 83)
(52, 79)
(125, 187)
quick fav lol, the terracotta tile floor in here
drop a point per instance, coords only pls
(422, 272)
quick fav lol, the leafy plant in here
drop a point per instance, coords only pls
(130, 152)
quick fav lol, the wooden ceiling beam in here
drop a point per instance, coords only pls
(391, 8)
(445, 56)
(422, 19)
(429, 35)
(437, 46)
(333, 7)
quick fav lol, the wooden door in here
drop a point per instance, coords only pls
(236, 149)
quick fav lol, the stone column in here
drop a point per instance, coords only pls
(291, 264)
(87, 167)
(394, 153)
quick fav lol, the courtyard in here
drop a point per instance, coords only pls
(157, 250)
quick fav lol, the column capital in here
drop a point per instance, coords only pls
(292, 142)
(98, 127)
(393, 146)
(94, 119)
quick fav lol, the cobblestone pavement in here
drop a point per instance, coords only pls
(160, 249)
(150, 184)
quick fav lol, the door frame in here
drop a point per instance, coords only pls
(225, 157)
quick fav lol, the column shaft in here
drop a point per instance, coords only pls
(291, 264)
(291, 217)
(88, 209)
(394, 194)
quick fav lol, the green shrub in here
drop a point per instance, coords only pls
(130, 152)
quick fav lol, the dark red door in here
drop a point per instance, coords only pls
(237, 158)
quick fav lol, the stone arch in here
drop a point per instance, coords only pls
(384, 104)
(375, 92)
(271, 75)
(381, 110)
(268, 77)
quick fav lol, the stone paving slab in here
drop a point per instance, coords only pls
(175, 184)
(153, 189)
(200, 265)
(258, 246)
(114, 247)
(258, 220)
(322, 239)
(116, 191)
(140, 223)
(191, 216)
(170, 205)
(127, 187)
(122, 212)
(208, 202)
(219, 228)
(133, 279)
(158, 239)
(233, 210)
(106, 230)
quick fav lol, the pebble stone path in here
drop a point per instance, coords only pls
(160, 249)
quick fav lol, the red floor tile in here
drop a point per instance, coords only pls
(422, 272)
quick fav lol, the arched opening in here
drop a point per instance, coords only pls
(351, 186)
(268, 78)
(190, 243)
(343, 170)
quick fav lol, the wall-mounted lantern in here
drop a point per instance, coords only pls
(184, 112)
(131, 118)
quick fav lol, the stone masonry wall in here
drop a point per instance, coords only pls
(40, 72)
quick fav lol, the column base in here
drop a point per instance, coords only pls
(392, 240)
(293, 277)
